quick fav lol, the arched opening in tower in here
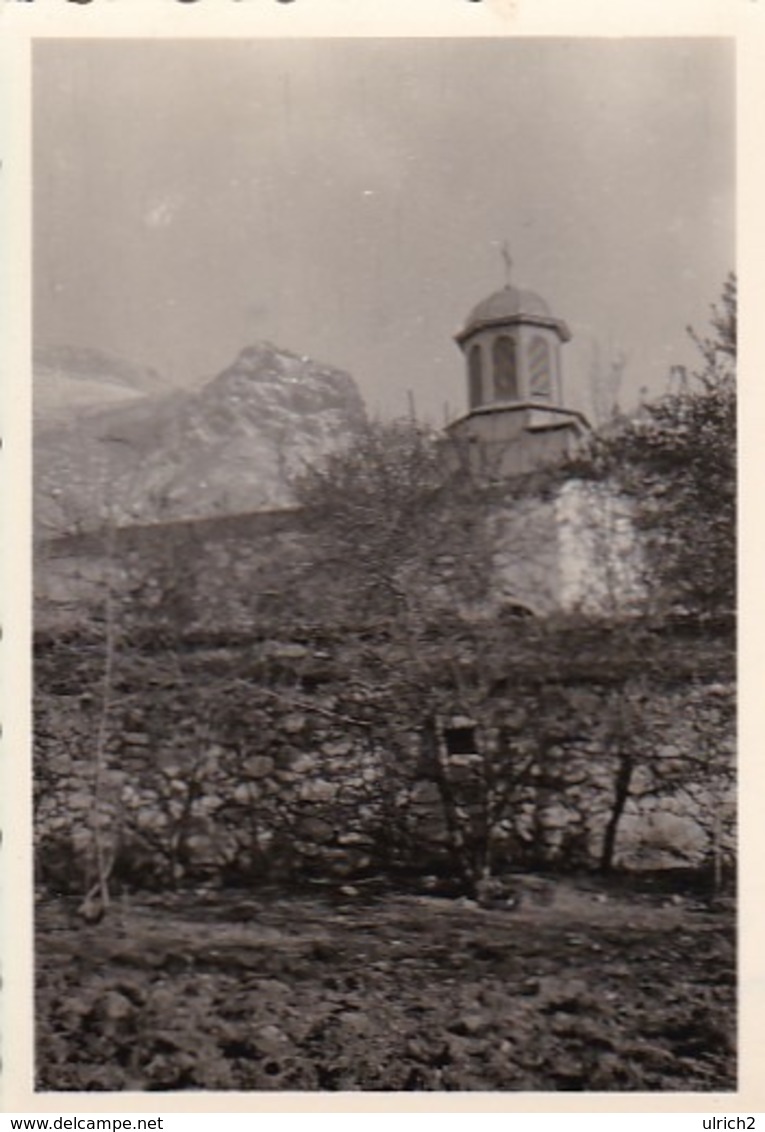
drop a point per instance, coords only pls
(505, 369)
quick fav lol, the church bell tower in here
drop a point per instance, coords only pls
(516, 418)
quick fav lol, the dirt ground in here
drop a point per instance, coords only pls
(575, 989)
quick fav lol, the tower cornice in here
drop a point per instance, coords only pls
(476, 325)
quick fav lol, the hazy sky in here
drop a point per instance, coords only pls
(347, 198)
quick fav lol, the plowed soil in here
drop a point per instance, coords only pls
(573, 990)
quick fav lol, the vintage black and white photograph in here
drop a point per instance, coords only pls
(384, 565)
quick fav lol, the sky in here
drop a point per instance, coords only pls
(348, 200)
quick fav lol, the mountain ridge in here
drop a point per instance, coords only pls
(232, 444)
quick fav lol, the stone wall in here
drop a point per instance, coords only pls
(207, 573)
(279, 758)
(571, 549)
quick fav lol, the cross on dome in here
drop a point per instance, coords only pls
(508, 261)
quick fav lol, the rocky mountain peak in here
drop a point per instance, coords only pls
(231, 445)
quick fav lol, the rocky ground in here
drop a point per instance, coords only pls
(577, 988)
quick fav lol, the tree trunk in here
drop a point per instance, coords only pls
(716, 852)
(621, 794)
(103, 866)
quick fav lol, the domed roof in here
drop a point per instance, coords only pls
(509, 303)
